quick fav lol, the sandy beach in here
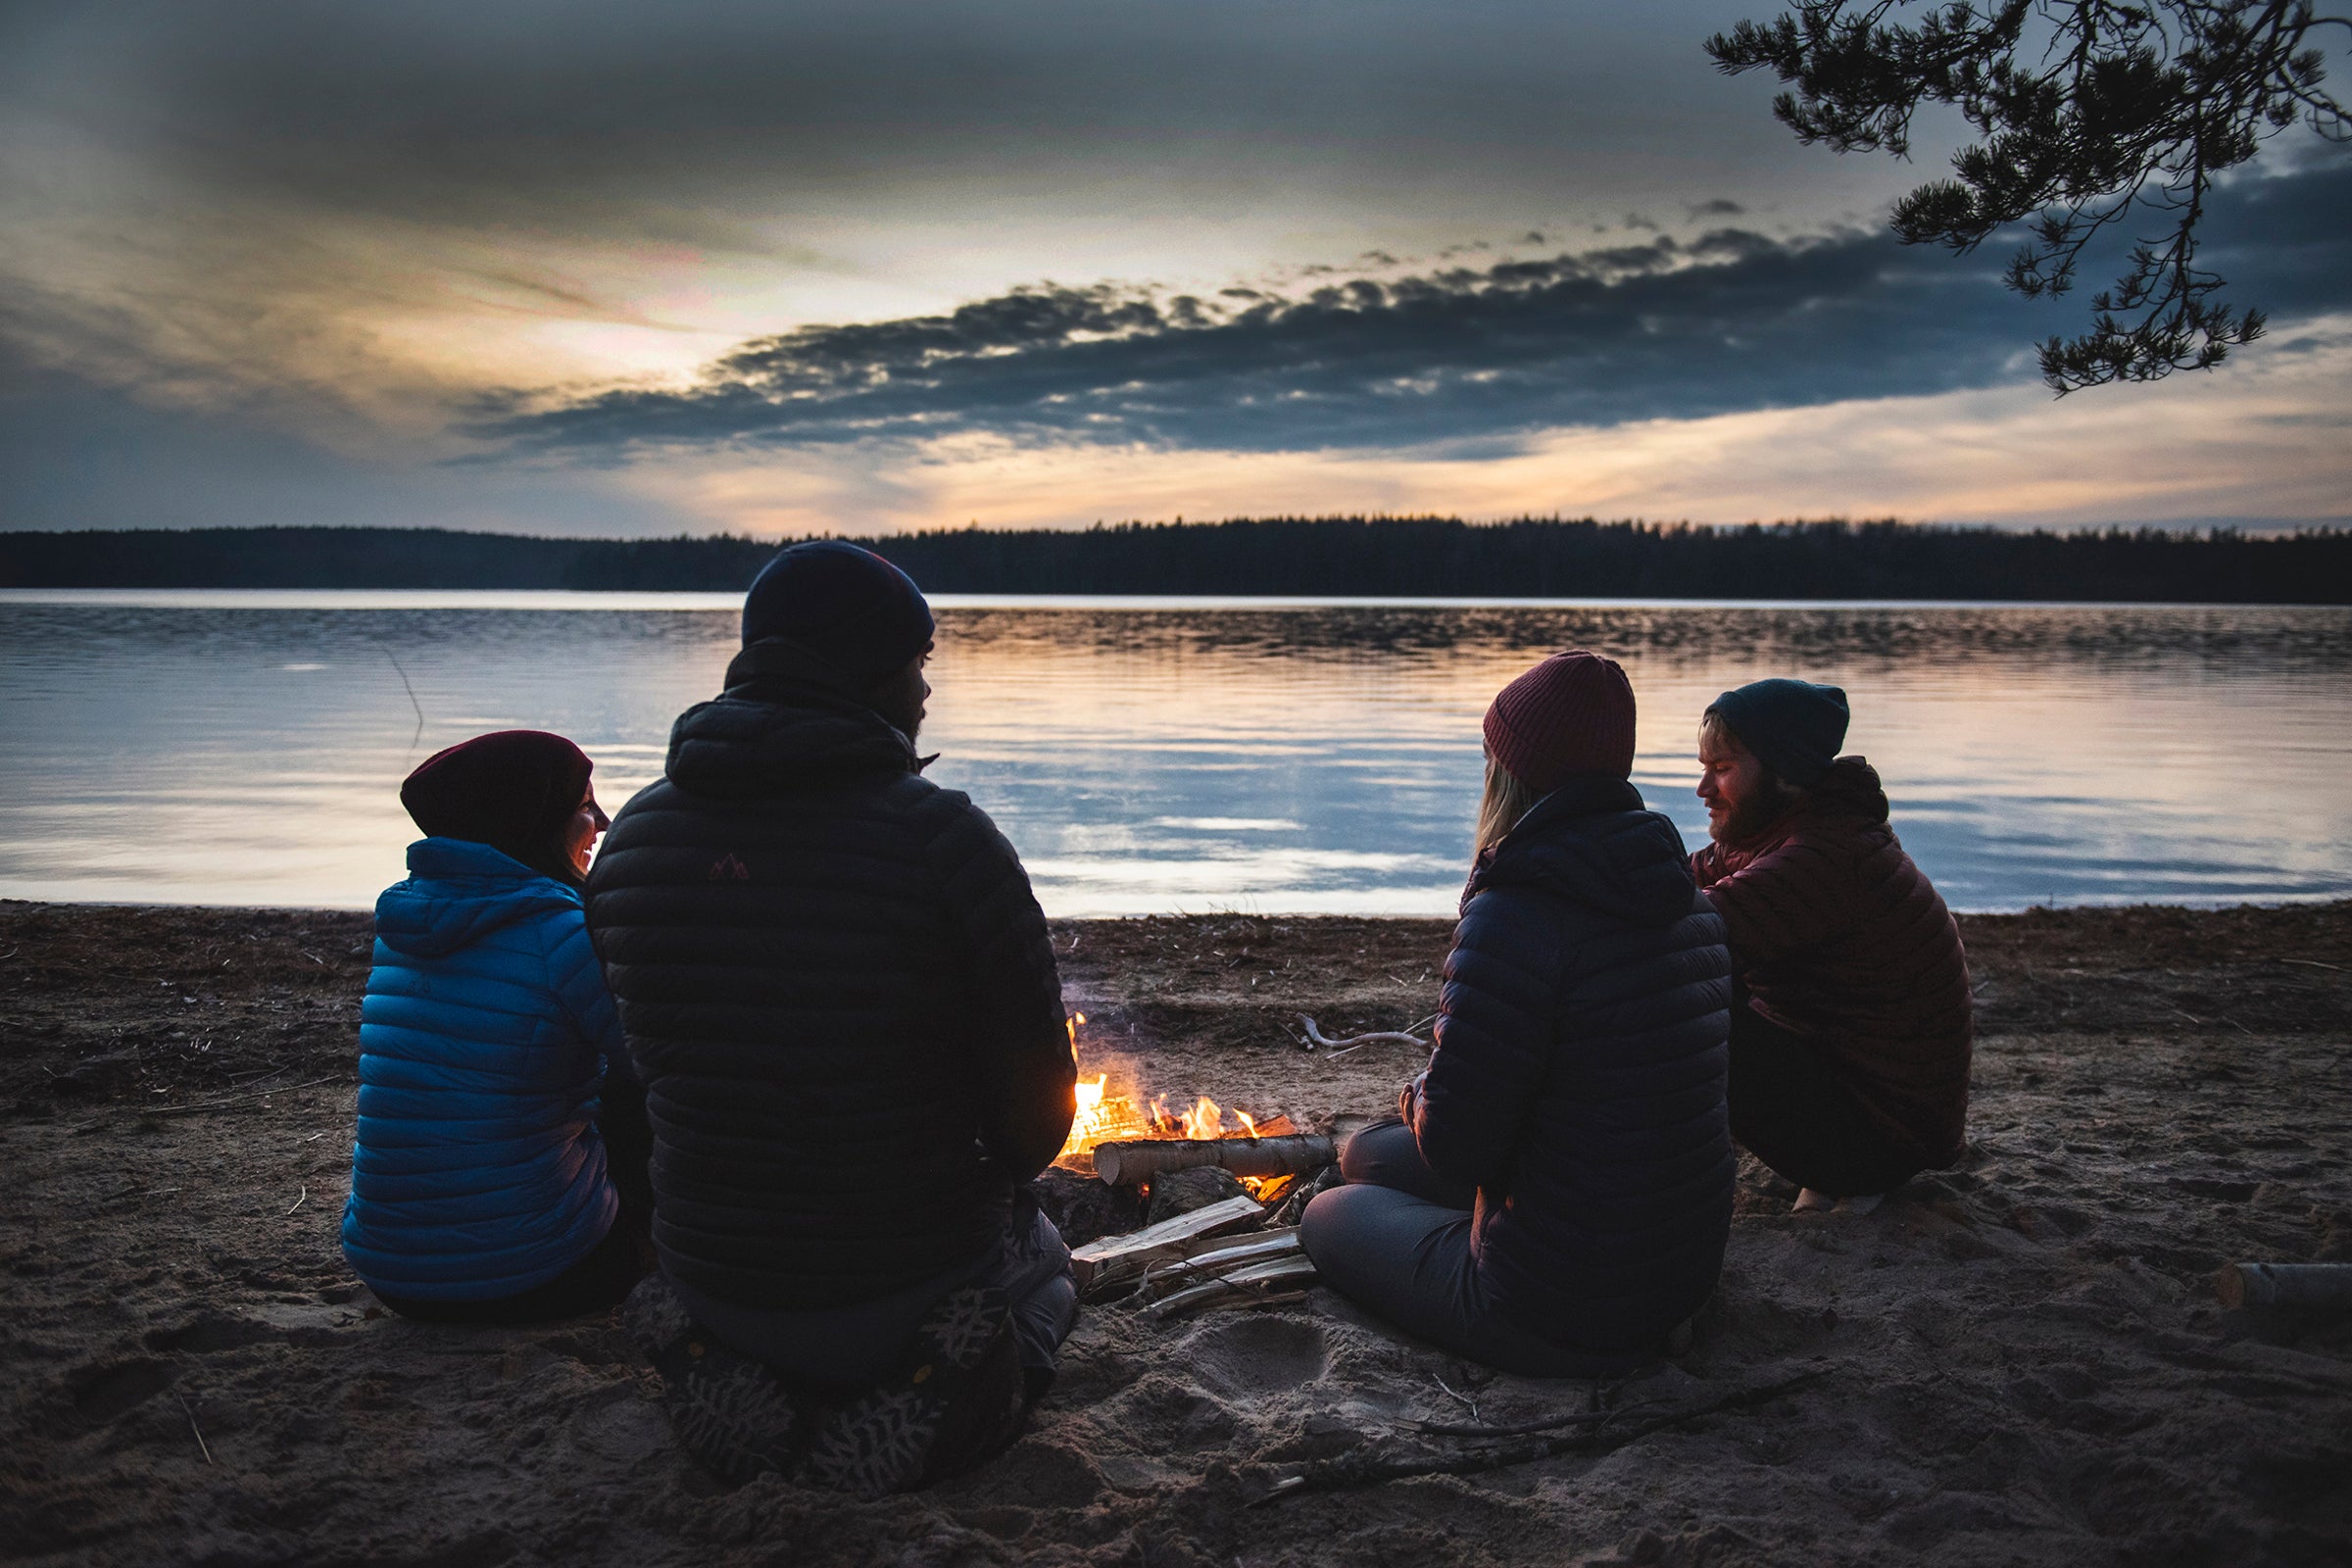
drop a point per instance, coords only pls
(2020, 1360)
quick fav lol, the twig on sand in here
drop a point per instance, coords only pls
(193, 1428)
(2217, 1018)
(1370, 1469)
(1575, 1418)
(215, 1105)
(302, 1199)
(209, 1105)
(1460, 1398)
(2311, 963)
(1340, 1046)
(137, 1192)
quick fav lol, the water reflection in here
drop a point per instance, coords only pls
(1156, 756)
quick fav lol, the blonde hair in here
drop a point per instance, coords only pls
(1506, 802)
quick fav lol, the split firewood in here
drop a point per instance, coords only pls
(1283, 1277)
(2306, 1287)
(1124, 1164)
(1223, 1257)
(1101, 1263)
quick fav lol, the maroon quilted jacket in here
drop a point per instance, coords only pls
(1840, 938)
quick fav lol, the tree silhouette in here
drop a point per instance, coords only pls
(2084, 110)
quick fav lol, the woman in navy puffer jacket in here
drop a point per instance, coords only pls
(482, 1187)
(1558, 1191)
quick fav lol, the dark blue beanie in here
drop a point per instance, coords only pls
(1794, 726)
(846, 606)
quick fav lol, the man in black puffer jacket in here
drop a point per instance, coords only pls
(1558, 1194)
(839, 991)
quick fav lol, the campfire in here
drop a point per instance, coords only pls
(1106, 1123)
(1215, 1257)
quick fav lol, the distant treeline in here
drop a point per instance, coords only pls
(1374, 557)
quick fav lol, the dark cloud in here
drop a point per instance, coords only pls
(610, 113)
(1719, 207)
(1731, 322)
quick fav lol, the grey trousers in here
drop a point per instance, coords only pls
(1396, 1240)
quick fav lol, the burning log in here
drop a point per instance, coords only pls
(1124, 1164)
(1115, 1257)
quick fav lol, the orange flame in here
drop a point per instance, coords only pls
(1100, 1116)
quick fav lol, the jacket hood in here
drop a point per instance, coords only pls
(1849, 787)
(457, 892)
(1592, 842)
(785, 720)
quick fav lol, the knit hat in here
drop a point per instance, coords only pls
(512, 790)
(1794, 726)
(846, 606)
(1572, 714)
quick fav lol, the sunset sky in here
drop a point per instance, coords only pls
(619, 268)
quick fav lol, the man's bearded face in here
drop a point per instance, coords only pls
(1744, 797)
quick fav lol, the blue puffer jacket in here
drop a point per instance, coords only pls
(1579, 1075)
(483, 1044)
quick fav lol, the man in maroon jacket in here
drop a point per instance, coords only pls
(1852, 1025)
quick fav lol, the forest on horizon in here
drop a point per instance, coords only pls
(1368, 556)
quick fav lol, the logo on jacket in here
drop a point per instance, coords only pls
(727, 868)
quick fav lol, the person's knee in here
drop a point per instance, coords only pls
(1322, 1223)
(1042, 1319)
(1341, 1228)
(1376, 1149)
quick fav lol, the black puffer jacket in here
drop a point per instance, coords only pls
(839, 991)
(1578, 1074)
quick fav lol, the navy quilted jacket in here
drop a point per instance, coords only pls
(483, 1040)
(839, 993)
(1578, 1074)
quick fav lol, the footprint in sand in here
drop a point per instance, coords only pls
(1251, 1355)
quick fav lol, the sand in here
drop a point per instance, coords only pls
(2021, 1360)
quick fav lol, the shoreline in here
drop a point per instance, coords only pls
(2300, 901)
(2017, 1359)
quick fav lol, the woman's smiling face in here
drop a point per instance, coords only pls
(587, 825)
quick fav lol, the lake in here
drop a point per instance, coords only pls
(1162, 756)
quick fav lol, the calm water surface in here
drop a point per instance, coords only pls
(1184, 755)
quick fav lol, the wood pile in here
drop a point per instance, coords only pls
(1236, 1251)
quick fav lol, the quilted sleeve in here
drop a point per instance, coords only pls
(1794, 897)
(1022, 1071)
(1493, 1040)
(577, 980)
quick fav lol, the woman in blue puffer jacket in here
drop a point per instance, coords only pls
(1557, 1192)
(498, 1174)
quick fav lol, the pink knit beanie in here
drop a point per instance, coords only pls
(1572, 714)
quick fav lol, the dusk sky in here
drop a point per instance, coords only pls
(617, 269)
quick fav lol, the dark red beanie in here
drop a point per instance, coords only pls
(1572, 714)
(512, 790)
